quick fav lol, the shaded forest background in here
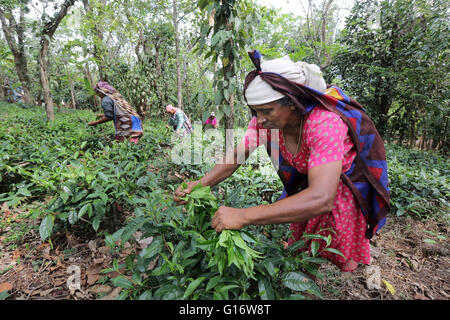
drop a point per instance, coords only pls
(391, 56)
(70, 196)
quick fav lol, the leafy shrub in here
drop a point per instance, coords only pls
(79, 174)
(188, 259)
(78, 169)
(419, 182)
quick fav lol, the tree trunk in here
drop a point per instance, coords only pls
(98, 41)
(98, 55)
(47, 32)
(327, 61)
(177, 53)
(18, 50)
(161, 93)
(229, 73)
(185, 78)
(95, 98)
(73, 95)
(412, 133)
(43, 72)
(2, 88)
(230, 118)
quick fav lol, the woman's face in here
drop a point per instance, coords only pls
(275, 116)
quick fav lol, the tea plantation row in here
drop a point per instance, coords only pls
(80, 177)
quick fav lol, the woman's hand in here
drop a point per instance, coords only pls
(228, 218)
(180, 192)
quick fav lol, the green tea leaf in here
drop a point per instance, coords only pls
(213, 282)
(122, 282)
(297, 281)
(153, 249)
(96, 223)
(84, 209)
(46, 227)
(265, 290)
(334, 251)
(24, 192)
(314, 247)
(73, 217)
(192, 286)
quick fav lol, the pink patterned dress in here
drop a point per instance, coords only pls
(325, 139)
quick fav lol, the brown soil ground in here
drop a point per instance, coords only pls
(409, 257)
(413, 261)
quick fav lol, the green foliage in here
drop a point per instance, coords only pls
(77, 168)
(226, 249)
(231, 25)
(393, 64)
(419, 182)
(188, 260)
(75, 174)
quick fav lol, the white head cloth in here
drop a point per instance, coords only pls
(260, 92)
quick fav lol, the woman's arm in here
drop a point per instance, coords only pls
(101, 120)
(179, 120)
(218, 173)
(318, 198)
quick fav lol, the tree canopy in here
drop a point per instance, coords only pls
(390, 55)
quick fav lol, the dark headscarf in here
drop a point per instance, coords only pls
(367, 177)
(108, 90)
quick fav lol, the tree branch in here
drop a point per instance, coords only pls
(51, 26)
(7, 30)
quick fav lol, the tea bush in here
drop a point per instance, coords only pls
(78, 169)
(188, 259)
(76, 175)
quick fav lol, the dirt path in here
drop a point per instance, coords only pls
(406, 265)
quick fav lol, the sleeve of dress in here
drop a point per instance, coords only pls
(251, 135)
(179, 120)
(108, 107)
(325, 138)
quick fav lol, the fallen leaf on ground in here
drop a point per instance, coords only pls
(5, 286)
(16, 254)
(59, 264)
(112, 295)
(99, 260)
(92, 245)
(5, 209)
(115, 274)
(389, 286)
(100, 288)
(418, 296)
(42, 246)
(80, 295)
(144, 243)
(59, 282)
(103, 250)
(93, 273)
(45, 293)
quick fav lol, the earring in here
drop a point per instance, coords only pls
(292, 107)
